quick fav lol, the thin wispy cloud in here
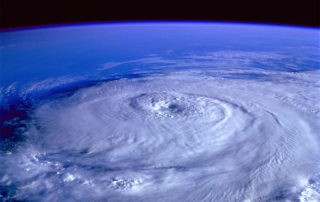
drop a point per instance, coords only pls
(218, 59)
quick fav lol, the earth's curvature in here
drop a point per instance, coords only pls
(160, 112)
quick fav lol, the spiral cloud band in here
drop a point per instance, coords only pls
(178, 136)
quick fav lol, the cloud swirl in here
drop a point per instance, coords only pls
(236, 135)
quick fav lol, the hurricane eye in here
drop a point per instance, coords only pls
(175, 108)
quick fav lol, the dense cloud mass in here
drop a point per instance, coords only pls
(232, 135)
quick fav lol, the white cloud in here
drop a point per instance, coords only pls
(216, 59)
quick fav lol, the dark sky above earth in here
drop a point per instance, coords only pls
(17, 13)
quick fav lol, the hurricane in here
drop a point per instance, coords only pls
(169, 134)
